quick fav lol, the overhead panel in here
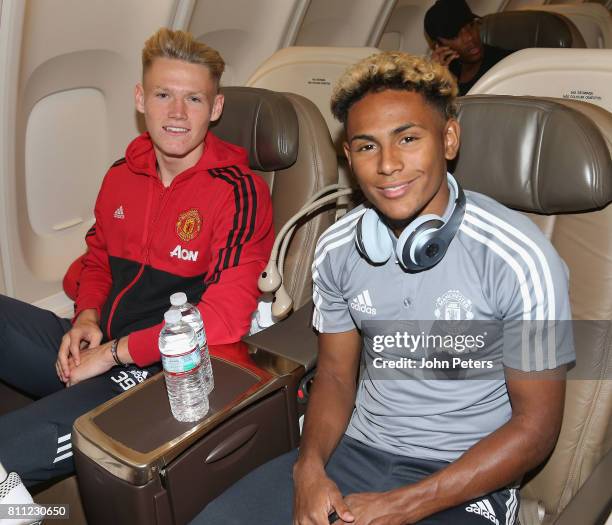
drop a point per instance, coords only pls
(245, 33)
(404, 30)
(347, 23)
(67, 113)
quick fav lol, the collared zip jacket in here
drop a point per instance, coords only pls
(209, 234)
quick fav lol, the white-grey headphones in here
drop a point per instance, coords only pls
(421, 245)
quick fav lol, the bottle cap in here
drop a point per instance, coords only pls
(178, 299)
(172, 316)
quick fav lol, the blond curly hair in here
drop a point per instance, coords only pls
(395, 70)
(181, 45)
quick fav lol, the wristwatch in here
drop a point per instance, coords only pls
(114, 346)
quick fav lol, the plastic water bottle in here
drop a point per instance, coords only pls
(183, 372)
(191, 316)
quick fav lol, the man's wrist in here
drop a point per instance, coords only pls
(89, 315)
(113, 351)
(310, 466)
(123, 351)
(419, 500)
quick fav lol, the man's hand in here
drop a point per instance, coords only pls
(94, 361)
(444, 55)
(84, 333)
(316, 497)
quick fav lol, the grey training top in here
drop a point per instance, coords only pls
(499, 267)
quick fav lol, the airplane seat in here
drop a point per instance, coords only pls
(574, 140)
(131, 450)
(290, 127)
(591, 19)
(583, 77)
(312, 73)
(514, 30)
(571, 74)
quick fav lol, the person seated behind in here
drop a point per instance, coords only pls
(454, 34)
(181, 212)
(393, 447)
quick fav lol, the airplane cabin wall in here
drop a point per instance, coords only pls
(245, 33)
(66, 113)
(346, 23)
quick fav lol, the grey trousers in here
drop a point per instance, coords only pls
(265, 496)
(35, 441)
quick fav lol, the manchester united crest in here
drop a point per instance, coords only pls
(188, 225)
(453, 312)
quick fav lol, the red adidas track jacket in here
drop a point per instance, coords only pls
(209, 234)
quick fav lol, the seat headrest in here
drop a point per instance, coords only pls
(263, 122)
(534, 154)
(514, 30)
(312, 73)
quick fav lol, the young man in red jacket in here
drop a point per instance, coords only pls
(181, 212)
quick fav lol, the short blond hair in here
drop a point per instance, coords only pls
(181, 45)
(395, 70)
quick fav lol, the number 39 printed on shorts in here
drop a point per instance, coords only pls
(126, 379)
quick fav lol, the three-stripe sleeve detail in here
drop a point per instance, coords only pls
(533, 275)
(339, 234)
(243, 224)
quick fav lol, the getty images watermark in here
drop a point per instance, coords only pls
(471, 349)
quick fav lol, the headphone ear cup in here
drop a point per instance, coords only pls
(414, 238)
(372, 238)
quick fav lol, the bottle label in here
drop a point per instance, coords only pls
(201, 337)
(182, 363)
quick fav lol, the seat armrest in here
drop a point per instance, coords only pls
(134, 435)
(593, 502)
(292, 339)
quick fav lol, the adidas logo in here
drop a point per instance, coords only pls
(363, 303)
(119, 213)
(483, 508)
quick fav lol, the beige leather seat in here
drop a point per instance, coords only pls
(289, 145)
(572, 74)
(584, 241)
(567, 179)
(310, 72)
(514, 30)
(592, 20)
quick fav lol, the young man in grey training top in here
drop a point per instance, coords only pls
(424, 255)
